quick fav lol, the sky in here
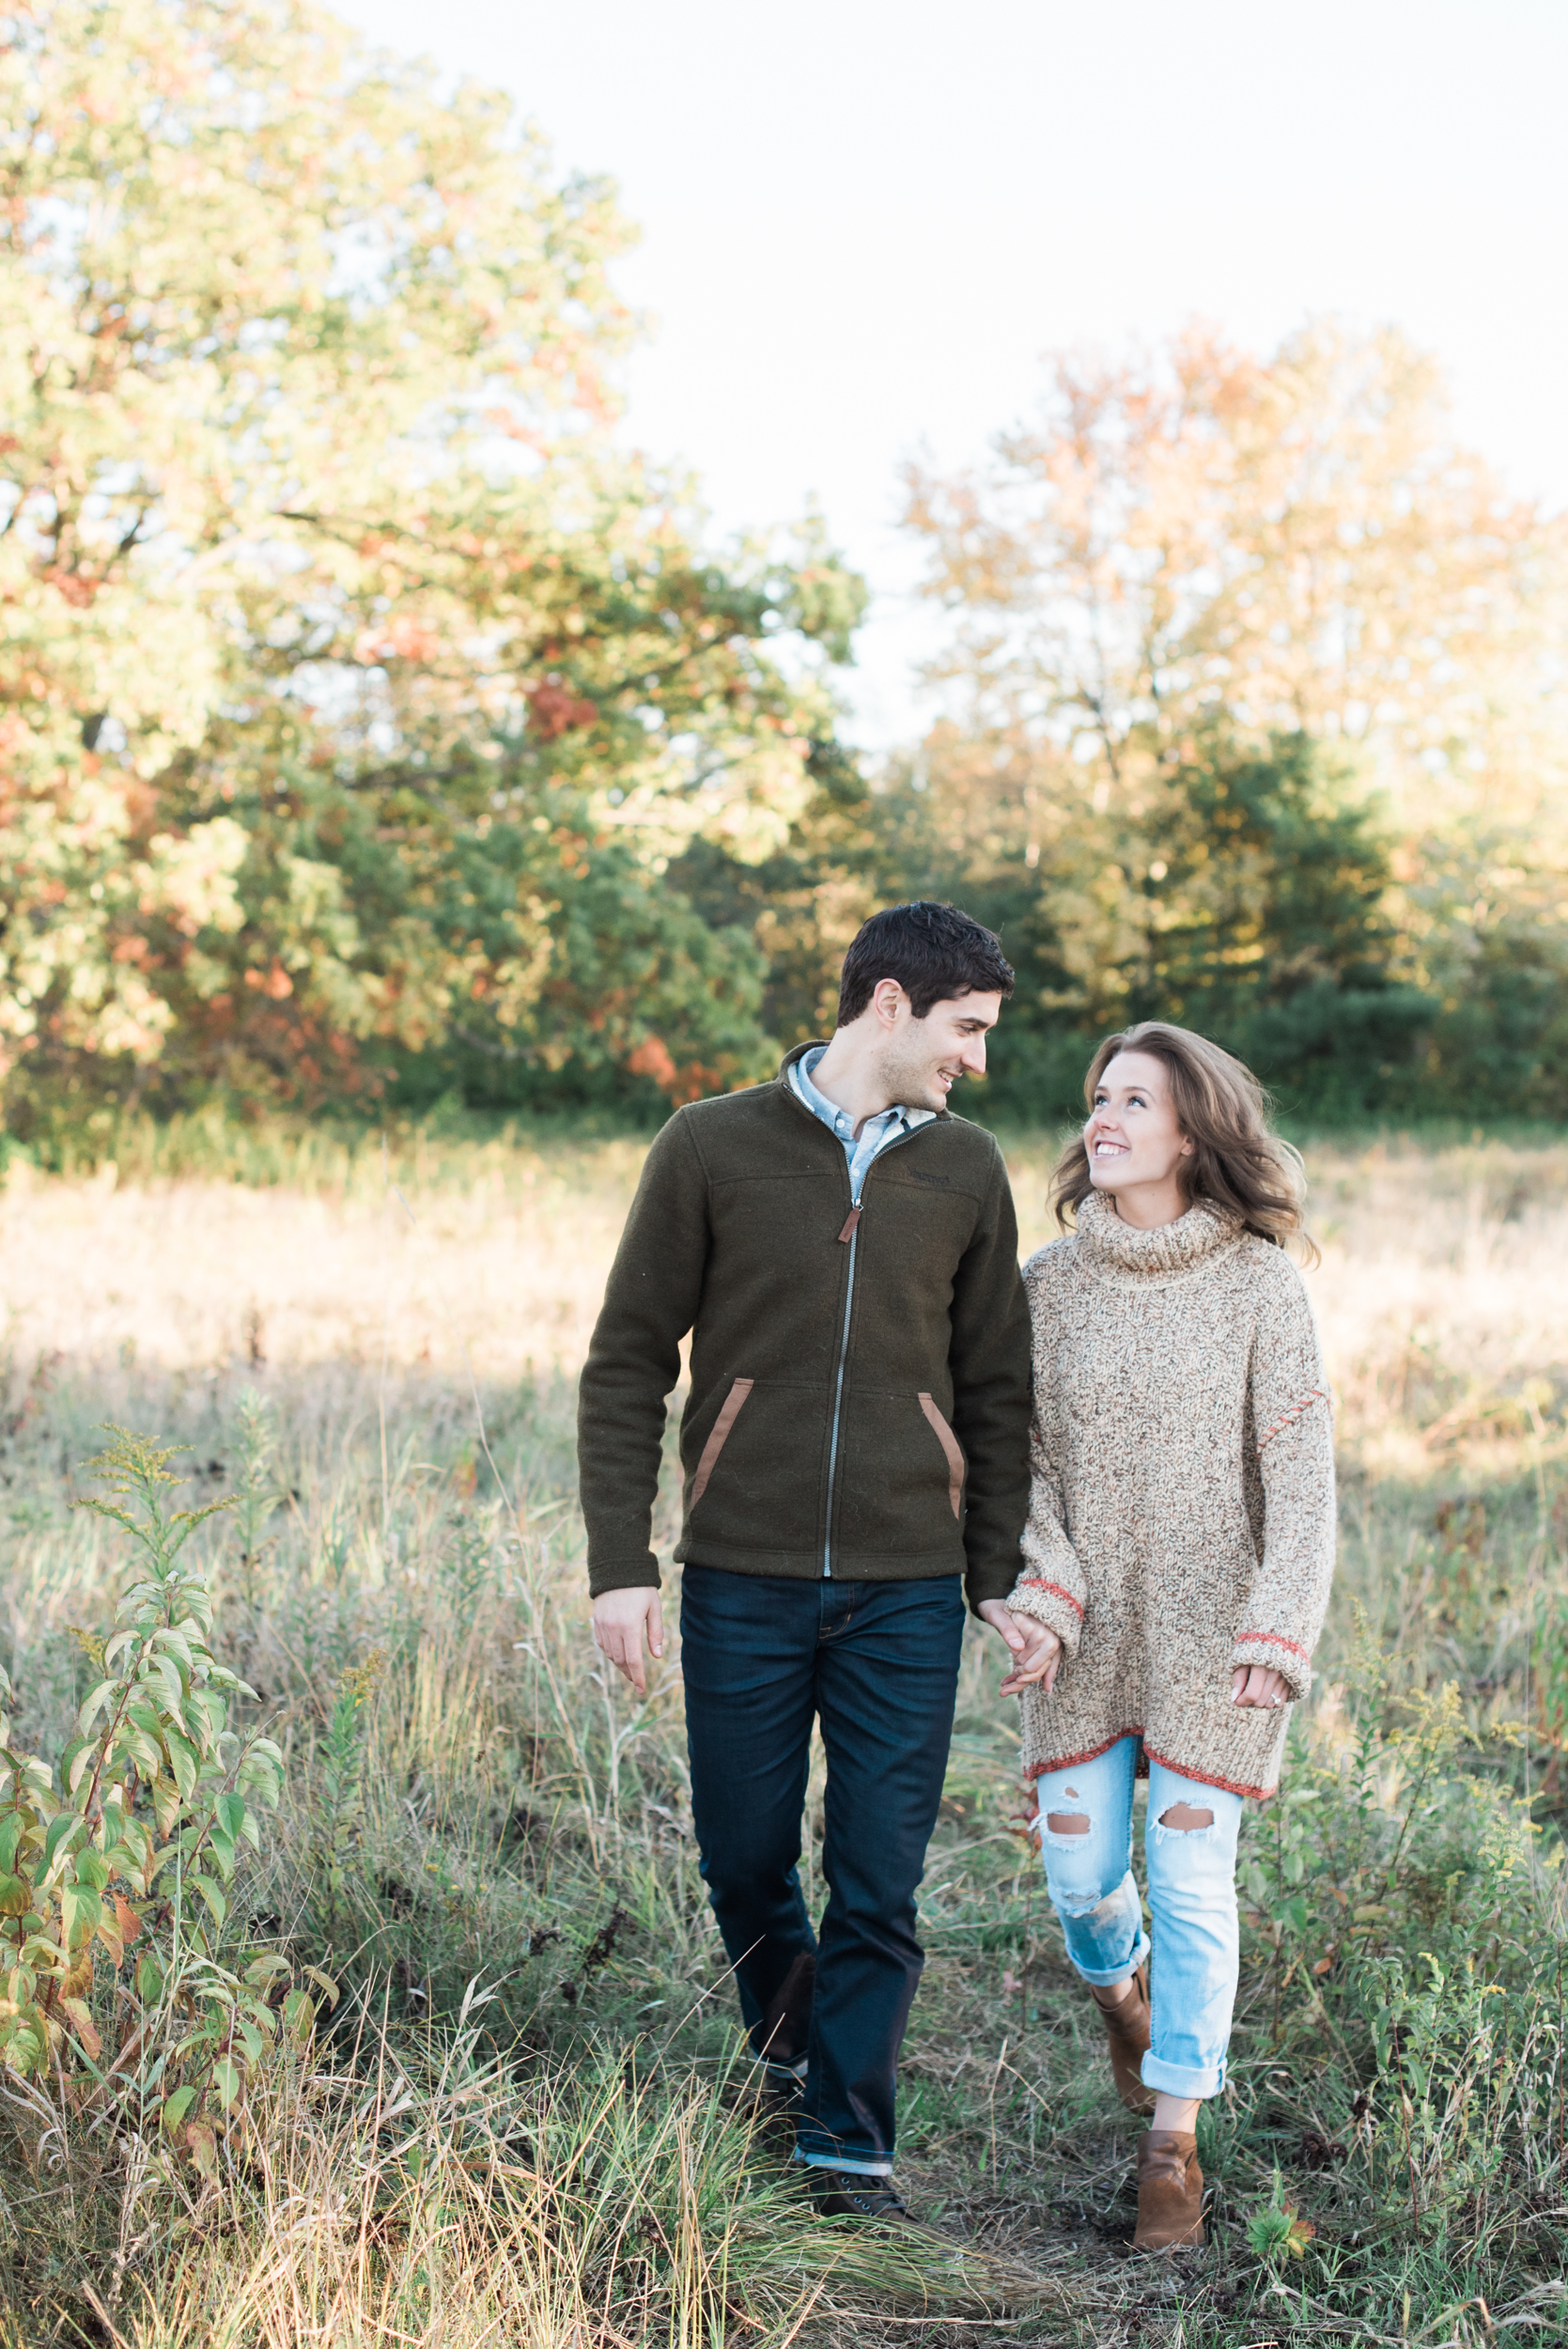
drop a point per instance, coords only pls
(865, 225)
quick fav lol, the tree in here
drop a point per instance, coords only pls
(1242, 891)
(1186, 566)
(1296, 541)
(354, 690)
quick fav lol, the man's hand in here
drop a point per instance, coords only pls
(1258, 1687)
(1036, 1651)
(620, 1618)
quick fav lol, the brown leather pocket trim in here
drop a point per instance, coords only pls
(949, 1442)
(719, 1436)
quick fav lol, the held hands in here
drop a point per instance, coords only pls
(620, 1618)
(1036, 1652)
(1258, 1687)
(623, 1618)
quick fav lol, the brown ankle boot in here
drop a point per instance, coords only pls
(1170, 2192)
(1127, 2031)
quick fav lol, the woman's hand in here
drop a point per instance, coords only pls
(1036, 1651)
(1258, 1687)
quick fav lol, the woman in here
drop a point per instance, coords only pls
(1179, 1548)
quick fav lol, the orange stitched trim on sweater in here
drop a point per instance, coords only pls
(1090, 1753)
(1202, 1777)
(1292, 1413)
(1036, 1582)
(1278, 1639)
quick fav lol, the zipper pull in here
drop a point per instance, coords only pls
(849, 1222)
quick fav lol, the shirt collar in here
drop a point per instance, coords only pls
(840, 1120)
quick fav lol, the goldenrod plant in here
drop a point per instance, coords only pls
(125, 1852)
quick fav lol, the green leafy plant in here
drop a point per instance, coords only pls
(1277, 2230)
(341, 1810)
(1459, 2069)
(131, 1846)
(1324, 1875)
(257, 1494)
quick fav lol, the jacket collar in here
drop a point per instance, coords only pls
(812, 1044)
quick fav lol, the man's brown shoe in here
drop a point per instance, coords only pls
(1170, 2192)
(1127, 2029)
(848, 2194)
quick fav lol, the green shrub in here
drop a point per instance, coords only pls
(127, 1850)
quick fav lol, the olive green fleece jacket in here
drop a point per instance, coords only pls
(860, 1386)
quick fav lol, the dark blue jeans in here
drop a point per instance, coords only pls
(877, 1664)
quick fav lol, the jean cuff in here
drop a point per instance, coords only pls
(1106, 1977)
(874, 2166)
(1183, 2079)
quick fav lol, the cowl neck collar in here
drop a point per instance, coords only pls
(1112, 1246)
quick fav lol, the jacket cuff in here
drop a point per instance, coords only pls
(1052, 1604)
(989, 1579)
(1271, 1651)
(623, 1574)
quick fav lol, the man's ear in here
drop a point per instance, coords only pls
(886, 998)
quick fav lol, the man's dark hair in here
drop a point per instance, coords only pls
(933, 951)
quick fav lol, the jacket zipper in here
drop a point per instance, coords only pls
(852, 1232)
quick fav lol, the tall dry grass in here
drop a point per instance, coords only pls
(1442, 1270)
(531, 2121)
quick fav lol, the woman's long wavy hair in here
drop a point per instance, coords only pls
(1237, 1161)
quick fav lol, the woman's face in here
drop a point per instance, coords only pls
(1132, 1136)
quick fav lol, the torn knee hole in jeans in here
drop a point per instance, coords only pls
(1068, 1821)
(1183, 1819)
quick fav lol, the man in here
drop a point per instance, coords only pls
(856, 1455)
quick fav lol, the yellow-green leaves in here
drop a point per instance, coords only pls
(1278, 2232)
(324, 583)
(177, 2106)
(82, 1876)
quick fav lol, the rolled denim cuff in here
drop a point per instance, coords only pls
(815, 2158)
(1111, 1975)
(1182, 2079)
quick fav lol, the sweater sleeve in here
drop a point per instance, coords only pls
(650, 1303)
(988, 1355)
(1052, 1586)
(1293, 1430)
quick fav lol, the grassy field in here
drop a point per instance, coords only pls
(527, 2119)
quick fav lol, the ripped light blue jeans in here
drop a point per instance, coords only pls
(1191, 1899)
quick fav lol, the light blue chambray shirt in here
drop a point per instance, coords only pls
(875, 1135)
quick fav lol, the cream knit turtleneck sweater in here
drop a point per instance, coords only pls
(1182, 1513)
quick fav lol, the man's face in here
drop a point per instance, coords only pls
(924, 1059)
